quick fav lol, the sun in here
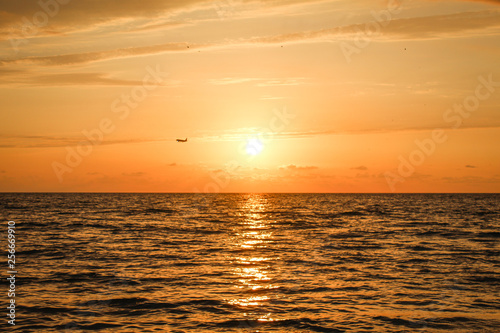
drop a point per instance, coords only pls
(254, 146)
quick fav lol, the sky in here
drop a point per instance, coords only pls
(273, 96)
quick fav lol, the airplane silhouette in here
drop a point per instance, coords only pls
(180, 140)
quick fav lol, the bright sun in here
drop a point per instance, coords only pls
(254, 146)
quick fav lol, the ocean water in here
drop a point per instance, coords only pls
(255, 262)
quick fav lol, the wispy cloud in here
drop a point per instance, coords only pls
(32, 78)
(293, 167)
(417, 28)
(261, 82)
(232, 80)
(82, 58)
(77, 15)
(495, 2)
(271, 97)
(46, 141)
(99, 79)
(431, 27)
(245, 133)
(134, 174)
(283, 82)
(241, 134)
(85, 15)
(472, 180)
(160, 25)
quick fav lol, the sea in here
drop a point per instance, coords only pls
(253, 262)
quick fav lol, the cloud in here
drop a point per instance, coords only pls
(232, 80)
(98, 79)
(496, 2)
(294, 167)
(471, 166)
(41, 141)
(282, 82)
(81, 14)
(262, 82)
(83, 58)
(472, 180)
(265, 134)
(33, 78)
(361, 168)
(416, 28)
(430, 27)
(267, 97)
(45, 141)
(134, 174)
(419, 176)
(446, 26)
(84, 15)
(309, 134)
(160, 25)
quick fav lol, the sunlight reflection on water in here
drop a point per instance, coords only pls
(252, 270)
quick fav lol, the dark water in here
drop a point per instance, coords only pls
(255, 263)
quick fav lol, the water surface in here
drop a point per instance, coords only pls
(256, 262)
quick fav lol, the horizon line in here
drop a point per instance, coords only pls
(41, 192)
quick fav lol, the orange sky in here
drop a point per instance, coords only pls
(273, 96)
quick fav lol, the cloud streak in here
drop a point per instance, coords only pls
(419, 28)
(96, 79)
(495, 2)
(262, 82)
(40, 141)
(245, 133)
(82, 14)
(82, 58)
(46, 141)
(293, 167)
(360, 168)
